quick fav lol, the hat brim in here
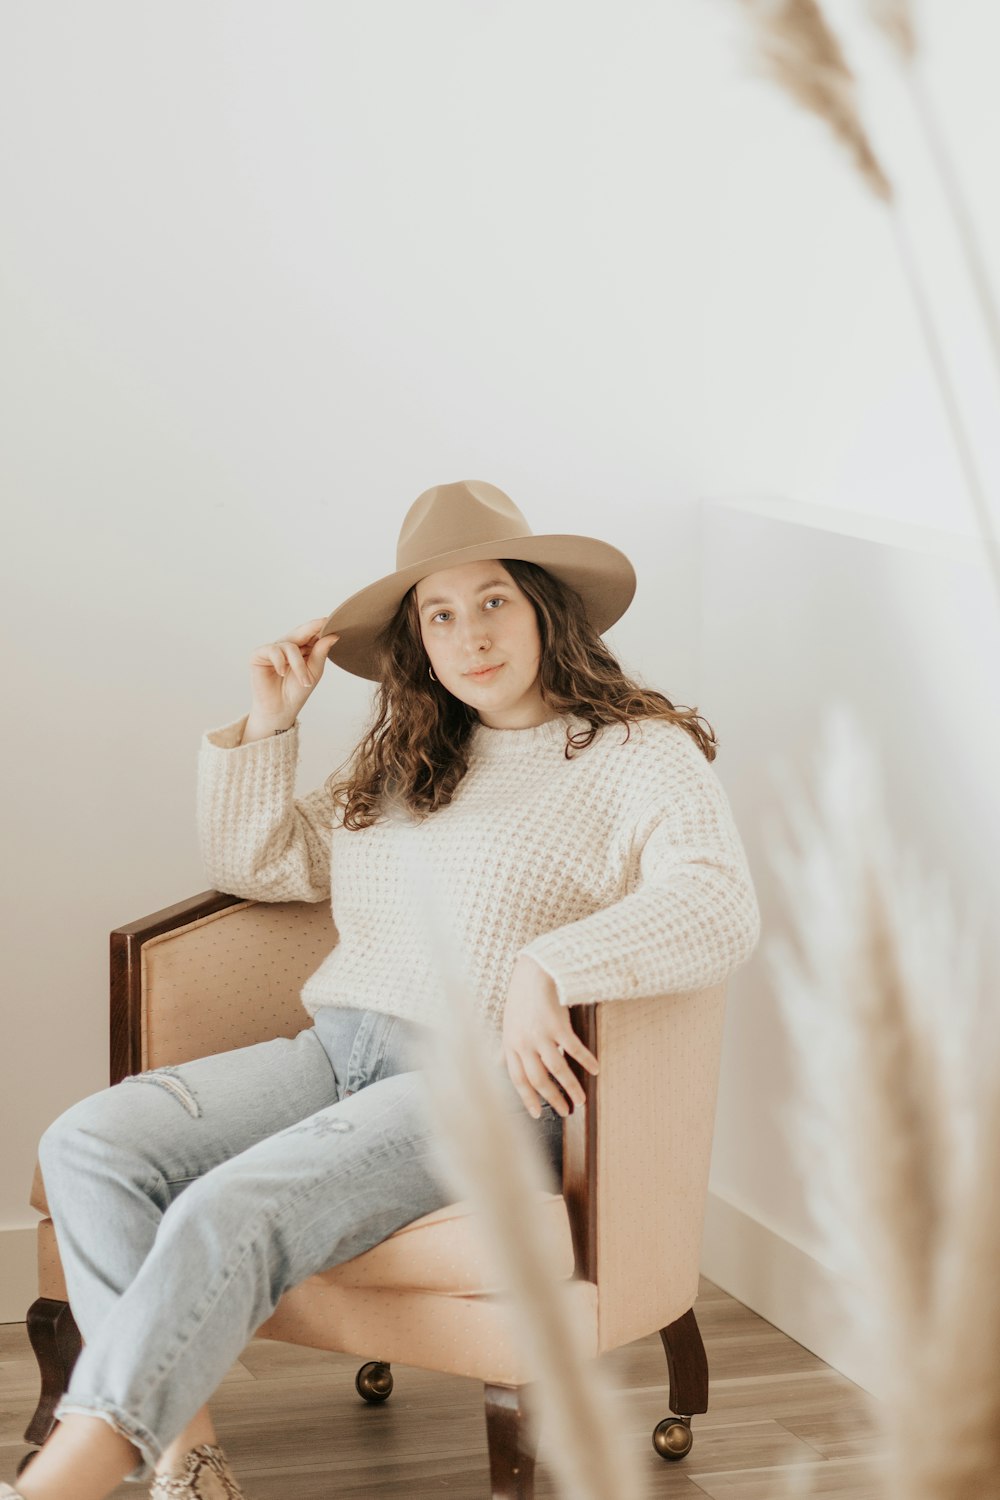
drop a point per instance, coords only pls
(600, 573)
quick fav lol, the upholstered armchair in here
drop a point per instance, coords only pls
(218, 971)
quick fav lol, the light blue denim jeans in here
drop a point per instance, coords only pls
(186, 1200)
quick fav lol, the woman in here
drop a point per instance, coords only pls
(586, 851)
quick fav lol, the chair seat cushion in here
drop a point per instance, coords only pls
(445, 1252)
(441, 1252)
(478, 1337)
(38, 1199)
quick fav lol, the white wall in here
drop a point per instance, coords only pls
(803, 606)
(269, 271)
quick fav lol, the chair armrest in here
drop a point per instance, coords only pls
(636, 1158)
(211, 973)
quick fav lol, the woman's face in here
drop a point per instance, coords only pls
(475, 616)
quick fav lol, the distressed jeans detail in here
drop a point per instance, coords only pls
(171, 1080)
(185, 1208)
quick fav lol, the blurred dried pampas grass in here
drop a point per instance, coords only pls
(896, 1120)
(895, 19)
(793, 45)
(797, 49)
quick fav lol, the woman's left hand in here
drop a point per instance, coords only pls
(537, 1032)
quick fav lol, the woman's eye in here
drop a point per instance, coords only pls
(494, 600)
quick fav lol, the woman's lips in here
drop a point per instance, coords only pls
(485, 675)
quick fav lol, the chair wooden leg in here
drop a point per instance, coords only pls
(686, 1365)
(688, 1371)
(56, 1341)
(511, 1441)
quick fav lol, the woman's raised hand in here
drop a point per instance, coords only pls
(284, 673)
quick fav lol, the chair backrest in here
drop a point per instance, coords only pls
(210, 974)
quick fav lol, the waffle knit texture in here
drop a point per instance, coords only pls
(619, 870)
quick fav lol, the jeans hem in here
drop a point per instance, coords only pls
(133, 1432)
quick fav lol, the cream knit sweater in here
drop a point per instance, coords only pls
(621, 870)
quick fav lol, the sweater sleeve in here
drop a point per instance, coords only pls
(693, 916)
(257, 838)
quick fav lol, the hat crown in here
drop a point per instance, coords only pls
(449, 516)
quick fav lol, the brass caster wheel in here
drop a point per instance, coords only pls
(373, 1382)
(25, 1461)
(672, 1438)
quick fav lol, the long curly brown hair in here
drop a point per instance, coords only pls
(416, 748)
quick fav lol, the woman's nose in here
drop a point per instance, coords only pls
(477, 637)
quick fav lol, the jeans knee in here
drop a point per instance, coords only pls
(58, 1140)
(58, 1157)
(83, 1134)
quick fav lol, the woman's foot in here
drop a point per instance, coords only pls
(204, 1475)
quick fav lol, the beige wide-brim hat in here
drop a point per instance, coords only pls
(464, 522)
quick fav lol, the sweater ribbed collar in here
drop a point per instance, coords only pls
(501, 744)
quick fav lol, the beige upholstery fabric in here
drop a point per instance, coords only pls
(51, 1282)
(444, 1252)
(38, 1199)
(474, 1336)
(230, 979)
(656, 1104)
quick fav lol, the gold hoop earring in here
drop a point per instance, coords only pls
(430, 673)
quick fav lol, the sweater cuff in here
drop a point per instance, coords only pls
(228, 737)
(566, 992)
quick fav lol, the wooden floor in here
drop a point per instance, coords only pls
(780, 1422)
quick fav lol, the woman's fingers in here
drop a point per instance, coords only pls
(542, 1080)
(542, 1071)
(572, 1044)
(306, 632)
(286, 653)
(320, 652)
(561, 1071)
(275, 656)
(298, 666)
(529, 1098)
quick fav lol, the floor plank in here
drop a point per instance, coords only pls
(780, 1425)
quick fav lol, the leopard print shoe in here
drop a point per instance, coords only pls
(205, 1475)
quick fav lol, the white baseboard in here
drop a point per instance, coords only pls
(786, 1285)
(18, 1272)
